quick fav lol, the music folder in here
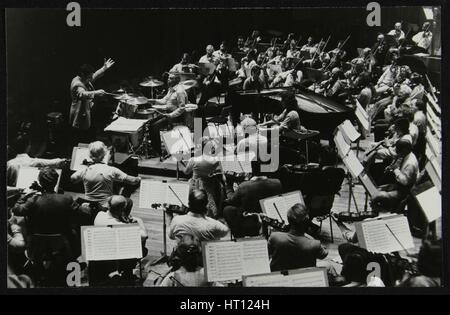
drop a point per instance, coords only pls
(349, 131)
(163, 192)
(368, 184)
(231, 260)
(363, 117)
(27, 175)
(276, 207)
(431, 203)
(178, 141)
(304, 277)
(114, 242)
(385, 234)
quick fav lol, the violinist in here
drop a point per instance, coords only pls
(293, 52)
(287, 42)
(306, 49)
(196, 223)
(98, 178)
(405, 169)
(397, 32)
(222, 52)
(337, 55)
(387, 79)
(209, 56)
(379, 50)
(424, 37)
(255, 82)
(240, 47)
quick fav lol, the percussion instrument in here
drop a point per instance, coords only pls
(125, 96)
(235, 81)
(136, 101)
(151, 83)
(146, 114)
(188, 84)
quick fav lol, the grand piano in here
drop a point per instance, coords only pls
(317, 112)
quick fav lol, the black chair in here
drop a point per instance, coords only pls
(322, 188)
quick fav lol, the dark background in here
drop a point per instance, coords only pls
(44, 54)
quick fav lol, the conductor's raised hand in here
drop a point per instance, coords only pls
(108, 63)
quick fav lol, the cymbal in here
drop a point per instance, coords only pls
(145, 111)
(140, 100)
(124, 97)
(160, 107)
(151, 83)
(188, 84)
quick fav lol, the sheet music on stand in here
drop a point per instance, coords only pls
(434, 171)
(363, 117)
(349, 131)
(157, 191)
(385, 235)
(368, 184)
(276, 207)
(219, 131)
(433, 142)
(79, 154)
(230, 260)
(178, 141)
(353, 164)
(341, 144)
(27, 175)
(431, 203)
(304, 277)
(116, 242)
(125, 125)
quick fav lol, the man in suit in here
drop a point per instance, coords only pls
(82, 93)
(245, 200)
(292, 250)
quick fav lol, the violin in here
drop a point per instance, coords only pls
(171, 209)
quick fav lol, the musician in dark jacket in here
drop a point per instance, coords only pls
(245, 200)
(49, 213)
(293, 249)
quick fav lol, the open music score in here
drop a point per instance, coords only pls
(230, 260)
(305, 277)
(178, 140)
(341, 144)
(125, 125)
(385, 235)
(431, 203)
(80, 154)
(349, 131)
(363, 117)
(219, 131)
(368, 184)
(276, 207)
(353, 164)
(27, 175)
(116, 242)
(154, 191)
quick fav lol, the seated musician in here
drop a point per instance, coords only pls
(21, 158)
(418, 90)
(333, 86)
(209, 56)
(387, 79)
(188, 270)
(119, 209)
(183, 65)
(405, 170)
(196, 224)
(254, 82)
(293, 52)
(240, 46)
(244, 202)
(289, 77)
(47, 212)
(379, 50)
(293, 249)
(202, 167)
(305, 50)
(222, 52)
(289, 118)
(397, 32)
(253, 141)
(387, 148)
(424, 37)
(337, 55)
(98, 178)
(174, 102)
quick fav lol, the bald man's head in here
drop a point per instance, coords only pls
(117, 204)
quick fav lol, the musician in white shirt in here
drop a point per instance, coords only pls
(397, 32)
(209, 56)
(423, 38)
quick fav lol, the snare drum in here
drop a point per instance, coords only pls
(146, 114)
